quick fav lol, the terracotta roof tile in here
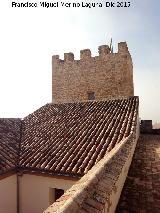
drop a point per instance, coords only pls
(65, 139)
(68, 139)
(9, 143)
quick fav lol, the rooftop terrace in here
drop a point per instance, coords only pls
(141, 192)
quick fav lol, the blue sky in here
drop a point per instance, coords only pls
(30, 36)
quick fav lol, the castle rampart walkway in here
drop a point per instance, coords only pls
(141, 192)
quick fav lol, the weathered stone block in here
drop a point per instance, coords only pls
(109, 75)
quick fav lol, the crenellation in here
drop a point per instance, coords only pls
(68, 56)
(103, 50)
(85, 54)
(109, 75)
(122, 47)
(55, 59)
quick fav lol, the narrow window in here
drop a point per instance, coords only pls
(58, 193)
(91, 96)
(55, 194)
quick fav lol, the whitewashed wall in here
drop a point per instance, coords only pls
(34, 192)
(8, 195)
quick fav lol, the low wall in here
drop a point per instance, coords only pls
(99, 190)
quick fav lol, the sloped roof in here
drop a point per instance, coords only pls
(68, 139)
(9, 143)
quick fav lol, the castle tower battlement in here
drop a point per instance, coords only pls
(108, 75)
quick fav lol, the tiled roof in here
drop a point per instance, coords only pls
(9, 143)
(69, 139)
(65, 139)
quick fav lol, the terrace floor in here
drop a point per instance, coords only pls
(141, 192)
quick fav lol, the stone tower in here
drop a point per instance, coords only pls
(109, 75)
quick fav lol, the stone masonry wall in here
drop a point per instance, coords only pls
(109, 75)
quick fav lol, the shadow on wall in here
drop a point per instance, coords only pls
(146, 127)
